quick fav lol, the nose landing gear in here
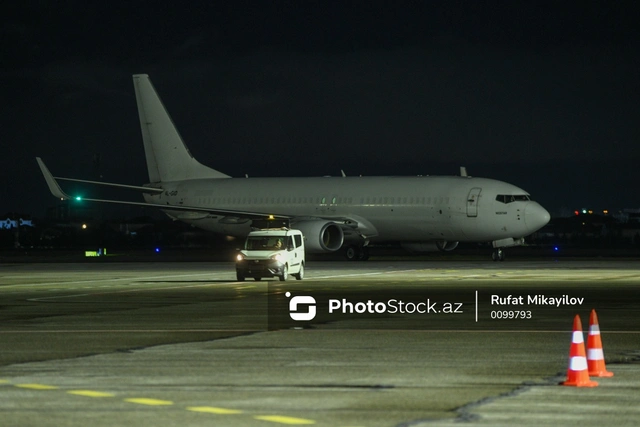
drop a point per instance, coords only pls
(497, 254)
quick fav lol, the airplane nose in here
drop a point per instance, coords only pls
(535, 217)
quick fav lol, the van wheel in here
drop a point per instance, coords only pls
(300, 274)
(285, 273)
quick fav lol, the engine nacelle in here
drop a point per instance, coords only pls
(445, 246)
(321, 236)
(442, 246)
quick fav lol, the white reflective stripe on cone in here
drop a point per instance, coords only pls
(578, 363)
(577, 337)
(595, 354)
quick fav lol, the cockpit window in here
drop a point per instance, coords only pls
(508, 198)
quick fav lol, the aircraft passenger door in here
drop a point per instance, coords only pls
(472, 202)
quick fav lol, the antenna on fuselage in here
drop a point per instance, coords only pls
(463, 171)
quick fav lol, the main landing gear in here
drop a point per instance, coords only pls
(356, 253)
(497, 254)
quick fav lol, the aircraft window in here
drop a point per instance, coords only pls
(263, 243)
(508, 198)
(333, 201)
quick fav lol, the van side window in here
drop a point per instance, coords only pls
(298, 239)
(290, 246)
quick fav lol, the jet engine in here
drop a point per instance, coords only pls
(321, 236)
(446, 246)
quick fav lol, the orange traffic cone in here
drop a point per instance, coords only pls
(578, 374)
(595, 355)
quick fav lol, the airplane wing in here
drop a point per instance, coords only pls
(55, 189)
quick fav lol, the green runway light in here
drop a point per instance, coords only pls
(78, 198)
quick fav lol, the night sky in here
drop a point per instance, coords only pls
(543, 95)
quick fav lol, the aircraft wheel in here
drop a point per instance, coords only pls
(300, 274)
(285, 273)
(363, 253)
(351, 253)
(257, 279)
(498, 254)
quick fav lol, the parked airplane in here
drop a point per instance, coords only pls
(421, 212)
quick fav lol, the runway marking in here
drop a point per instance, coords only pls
(128, 291)
(374, 273)
(120, 331)
(150, 402)
(164, 331)
(76, 282)
(37, 386)
(281, 419)
(213, 410)
(284, 420)
(90, 393)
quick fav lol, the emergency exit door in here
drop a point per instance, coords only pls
(472, 202)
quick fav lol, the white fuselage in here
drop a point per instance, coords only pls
(404, 209)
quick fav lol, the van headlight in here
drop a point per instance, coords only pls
(239, 257)
(277, 257)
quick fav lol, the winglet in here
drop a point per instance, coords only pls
(51, 181)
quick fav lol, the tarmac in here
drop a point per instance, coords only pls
(419, 343)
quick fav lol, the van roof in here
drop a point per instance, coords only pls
(274, 232)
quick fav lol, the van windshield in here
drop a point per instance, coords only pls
(258, 243)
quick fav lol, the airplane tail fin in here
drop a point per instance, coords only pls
(168, 158)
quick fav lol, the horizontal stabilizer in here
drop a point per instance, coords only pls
(152, 190)
(182, 208)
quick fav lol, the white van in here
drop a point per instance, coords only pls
(272, 253)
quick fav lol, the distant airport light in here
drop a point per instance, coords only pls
(584, 211)
(555, 248)
(157, 250)
(606, 211)
(78, 198)
(84, 226)
(590, 212)
(576, 212)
